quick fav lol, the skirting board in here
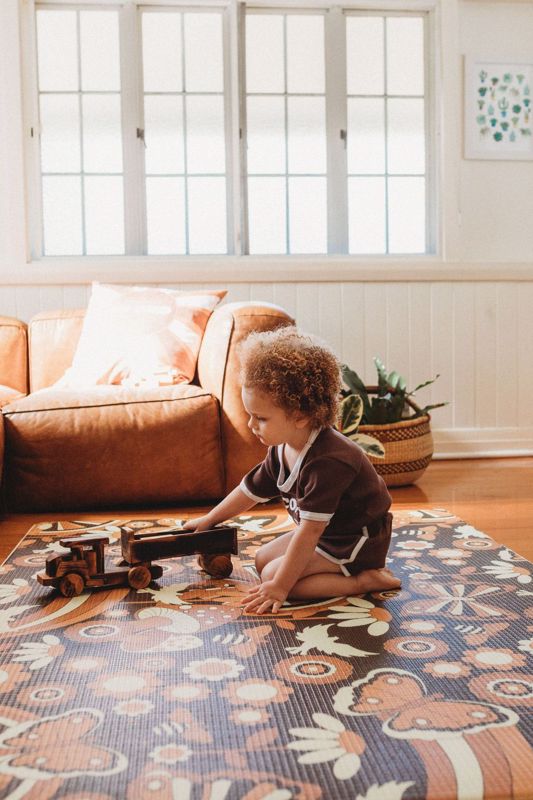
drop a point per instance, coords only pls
(482, 442)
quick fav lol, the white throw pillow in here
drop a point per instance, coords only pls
(140, 336)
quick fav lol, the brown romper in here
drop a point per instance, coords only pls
(332, 481)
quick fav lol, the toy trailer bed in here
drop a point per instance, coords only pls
(153, 545)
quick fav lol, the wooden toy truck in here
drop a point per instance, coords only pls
(85, 564)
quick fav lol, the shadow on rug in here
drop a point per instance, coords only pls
(173, 692)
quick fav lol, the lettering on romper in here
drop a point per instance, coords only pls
(292, 507)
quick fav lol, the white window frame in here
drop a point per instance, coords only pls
(177, 265)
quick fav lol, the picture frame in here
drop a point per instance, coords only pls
(498, 114)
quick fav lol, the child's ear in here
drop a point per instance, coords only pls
(300, 420)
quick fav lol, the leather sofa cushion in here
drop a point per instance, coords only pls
(112, 446)
(8, 395)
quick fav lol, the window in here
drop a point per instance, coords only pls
(156, 138)
(386, 134)
(80, 121)
(286, 133)
(185, 158)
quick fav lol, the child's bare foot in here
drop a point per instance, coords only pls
(375, 580)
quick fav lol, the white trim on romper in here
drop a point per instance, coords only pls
(248, 493)
(315, 515)
(342, 561)
(284, 484)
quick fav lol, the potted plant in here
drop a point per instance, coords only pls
(386, 422)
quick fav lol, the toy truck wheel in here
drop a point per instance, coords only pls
(71, 584)
(139, 577)
(217, 565)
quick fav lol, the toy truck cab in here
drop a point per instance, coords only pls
(85, 566)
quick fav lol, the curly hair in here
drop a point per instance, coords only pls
(298, 372)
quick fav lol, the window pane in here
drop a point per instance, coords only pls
(267, 215)
(366, 204)
(407, 215)
(308, 215)
(366, 136)
(100, 62)
(204, 68)
(207, 215)
(57, 48)
(205, 134)
(305, 53)
(264, 53)
(62, 216)
(104, 215)
(165, 215)
(60, 133)
(405, 55)
(102, 138)
(162, 52)
(163, 122)
(307, 134)
(364, 55)
(266, 134)
(406, 140)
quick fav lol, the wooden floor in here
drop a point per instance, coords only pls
(494, 495)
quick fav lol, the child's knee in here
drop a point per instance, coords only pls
(261, 560)
(269, 570)
(266, 566)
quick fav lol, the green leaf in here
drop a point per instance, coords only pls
(379, 411)
(393, 379)
(369, 444)
(397, 406)
(381, 369)
(426, 383)
(427, 409)
(383, 381)
(380, 366)
(352, 410)
(356, 385)
(352, 380)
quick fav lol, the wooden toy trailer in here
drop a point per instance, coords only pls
(139, 545)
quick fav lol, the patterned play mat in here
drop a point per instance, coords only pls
(172, 692)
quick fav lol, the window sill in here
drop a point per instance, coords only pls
(259, 269)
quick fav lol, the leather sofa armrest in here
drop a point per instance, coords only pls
(13, 355)
(218, 372)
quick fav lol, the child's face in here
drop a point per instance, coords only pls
(270, 423)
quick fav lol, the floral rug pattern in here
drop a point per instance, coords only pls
(173, 692)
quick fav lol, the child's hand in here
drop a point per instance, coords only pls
(263, 596)
(197, 524)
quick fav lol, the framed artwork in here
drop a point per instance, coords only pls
(498, 114)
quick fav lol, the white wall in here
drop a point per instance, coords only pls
(465, 313)
(496, 197)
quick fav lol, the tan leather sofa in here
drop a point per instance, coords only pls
(13, 366)
(112, 446)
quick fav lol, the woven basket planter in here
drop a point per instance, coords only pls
(408, 448)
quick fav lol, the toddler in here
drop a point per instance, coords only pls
(340, 505)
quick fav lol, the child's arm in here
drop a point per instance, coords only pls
(235, 503)
(297, 556)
